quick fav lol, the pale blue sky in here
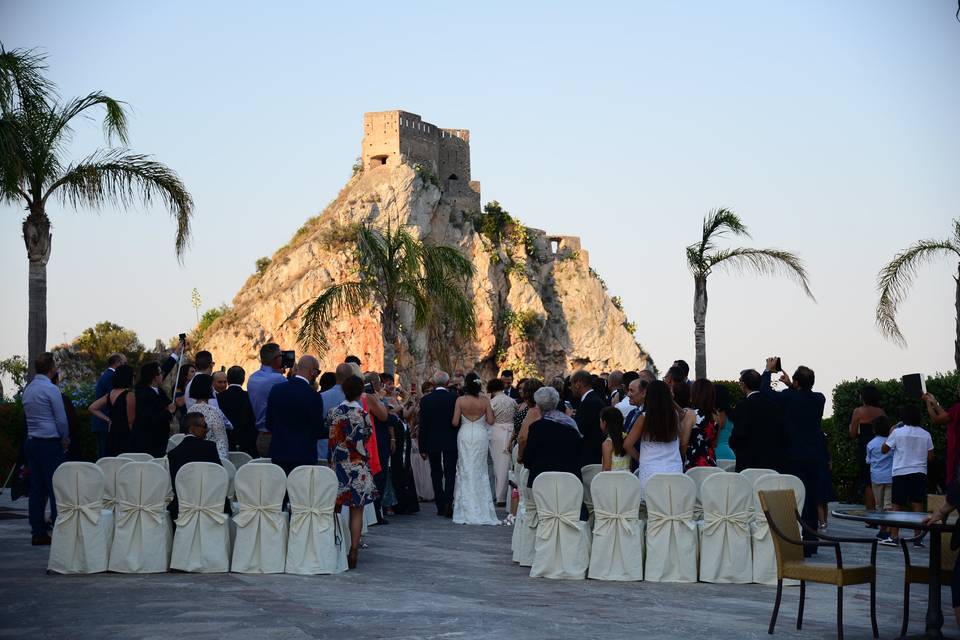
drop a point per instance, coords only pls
(830, 127)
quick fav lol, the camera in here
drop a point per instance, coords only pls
(288, 359)
(183, 337)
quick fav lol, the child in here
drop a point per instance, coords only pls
(912, 448)
(881, 473)
(615, 458)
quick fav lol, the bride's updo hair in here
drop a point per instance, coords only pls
(472, 385)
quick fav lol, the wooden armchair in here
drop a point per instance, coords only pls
(780, 508)
(914, 574)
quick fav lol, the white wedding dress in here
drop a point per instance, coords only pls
(472, 495)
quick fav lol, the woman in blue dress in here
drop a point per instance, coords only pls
(723, 450)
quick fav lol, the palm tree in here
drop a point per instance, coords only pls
(895, 279)
(35, 128)
(703, 257)
(394, 268)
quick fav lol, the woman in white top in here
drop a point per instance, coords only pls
(658, 433)
(472, 498)
(501, 431)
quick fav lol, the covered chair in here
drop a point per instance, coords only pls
(519, 527)
(261, 539)
(239, 458)
(528, 532)
(588, 473)
(764, 556)
(231, 478)
(671, 529)
(110, 466)
(753, 474)
(317, 543)
(137, 457)
(725, 555)
(143, 534)
(174, 440)
(780, 509)
(699, 476)
(80, 533)
(201, 542)
(263, 460)
(727, 464)
(616, 550)
(562, 545)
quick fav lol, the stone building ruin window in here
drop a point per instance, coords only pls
(453, 176)
(378, 160)
(554, 245)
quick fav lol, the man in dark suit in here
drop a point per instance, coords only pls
(104, 385)
(438, 441)
(757, 438)
(235, 404)
(295, 418)
(193, 448)
(506, 376)
(588, 417)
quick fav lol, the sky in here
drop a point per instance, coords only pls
(829, 127)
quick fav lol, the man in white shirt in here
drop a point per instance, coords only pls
(912, 449)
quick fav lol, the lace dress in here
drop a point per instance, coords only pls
(216, 431)
(472, 497)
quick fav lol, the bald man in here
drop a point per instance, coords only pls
(295, 417)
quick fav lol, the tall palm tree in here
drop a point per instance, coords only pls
(35, 128)
(703, 257)
(895, 279)
(394, 268)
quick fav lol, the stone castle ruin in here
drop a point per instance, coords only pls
(540, 308)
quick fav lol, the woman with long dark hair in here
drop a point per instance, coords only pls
(861, 430)
(121, 409)
(151, 428)
(187, 371)
(472, 497)
(615, 457)
(658, 433)
(701, 436)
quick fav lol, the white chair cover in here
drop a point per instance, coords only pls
(616, 551)
(261, 539)
(143, 533)
(671, 529)
(727, 464)
(239, 458)
(263, 460)
(698, 475)
(110, 466)
(202, 540)
(369, 517)
(317, 543)
(231, 478)
(137, 457)
(753, 474)
(562, 546)
(174, 440)
(528, 533)
(588, 473)
(80, 531)
(764, 555)
(725, 555)
(519, 526)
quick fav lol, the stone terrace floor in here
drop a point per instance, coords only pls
(423, 577)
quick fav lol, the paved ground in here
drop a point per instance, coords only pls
(422, 577)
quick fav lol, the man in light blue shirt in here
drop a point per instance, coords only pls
(269, 374)
(332, 398)
(48, 436)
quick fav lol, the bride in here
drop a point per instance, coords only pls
(472, 495)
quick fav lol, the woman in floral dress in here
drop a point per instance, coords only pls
(350, 429)
(702, 440)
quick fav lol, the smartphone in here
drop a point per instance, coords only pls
(777, 366)
(368, 388)
(288, 359)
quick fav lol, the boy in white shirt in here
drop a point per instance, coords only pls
(912, 449)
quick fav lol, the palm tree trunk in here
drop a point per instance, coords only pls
(699, 324)
(956, 342)
(388, 319)
(37, 238)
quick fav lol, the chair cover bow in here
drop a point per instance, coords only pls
(713, 520)
(657, 520)
(530, 517)
(605, 520)
(301, 513)
(66, 511)
(550, 521)
(190, 511)
(127, 510)
(269, 512)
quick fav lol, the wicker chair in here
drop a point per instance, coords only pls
(780, 508)
(913, 574)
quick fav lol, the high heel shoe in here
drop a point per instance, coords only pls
(352, 559)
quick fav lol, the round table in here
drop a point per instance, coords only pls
(911, 520)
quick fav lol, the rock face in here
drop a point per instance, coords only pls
(540, 308)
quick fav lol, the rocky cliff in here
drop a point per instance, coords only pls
(540, 308)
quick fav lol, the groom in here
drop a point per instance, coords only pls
(438, 441)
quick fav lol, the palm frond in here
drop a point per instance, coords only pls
(22, 77)
(124, 177)
(763, 261)
(894, 280)
(346, 297)
(956, 231)
(114, 120)
(454, 305)
(449, 261)
(716, 224)
(413, 292)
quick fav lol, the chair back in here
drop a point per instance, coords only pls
(260, 490)
(727, 499)
(201, 490)
(231, 478)
(317, 542)
(727, 464)
(588, 473)
(239, 458)
(753, 474)
(202, 539)
(775, 482)
(700, 474)
(141, 542)
(669, 495)
(79, 541)
(780, 508)
(175, 440)
(616, 499)
(137, 457)
(262, 460)
(948, 555)
(110, 466)
(558, 496)
(561, 548)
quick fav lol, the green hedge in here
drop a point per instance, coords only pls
(846, 398)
